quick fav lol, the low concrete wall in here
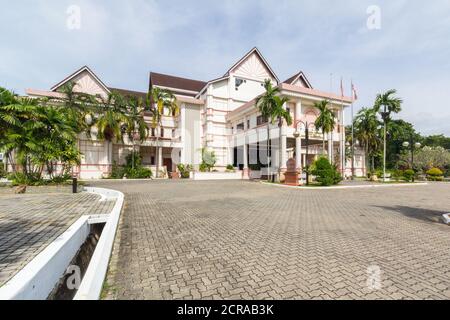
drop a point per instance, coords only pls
(92, 283)
(216, 175)
(38, 278)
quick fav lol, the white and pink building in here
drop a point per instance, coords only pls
(221, 115)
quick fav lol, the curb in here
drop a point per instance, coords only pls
(446, 218)
(38, 277)
(348, 187)
(92, 283)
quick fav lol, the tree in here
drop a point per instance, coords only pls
(366, 126)
(386, 104)
(136, 128)
(325, 121)
(160, 101)
(265, 103)
(281, 115)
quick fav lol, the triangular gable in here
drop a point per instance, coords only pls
(248, 65)
(87, 82)
(299, 79)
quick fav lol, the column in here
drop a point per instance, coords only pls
(342, 139)
(245, 158)
(298, 141)
(160, 159)
(283, 148)
(330, 147)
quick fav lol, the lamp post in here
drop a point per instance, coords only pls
(296, 135)
(384, 116)
(412, 146)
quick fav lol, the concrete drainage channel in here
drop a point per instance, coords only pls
(87, 244)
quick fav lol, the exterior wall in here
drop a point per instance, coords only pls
(225, 96)
(191, 135)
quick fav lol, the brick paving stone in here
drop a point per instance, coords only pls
(30, 222)
(239, 239)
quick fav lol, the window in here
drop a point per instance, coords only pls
(261, 120)
(238, 82)
(153, 132)
(240, 126)
(162, 133)
(173, 133)
(248, 124)
(152, 160)
(288, 110)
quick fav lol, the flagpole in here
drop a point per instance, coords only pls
(353, 133)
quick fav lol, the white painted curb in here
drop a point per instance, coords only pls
(446, 218)
(92, 283)
(38, 278)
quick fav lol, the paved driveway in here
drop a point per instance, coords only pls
(236, 239)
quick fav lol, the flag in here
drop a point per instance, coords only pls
(342, 88)
(354, 93)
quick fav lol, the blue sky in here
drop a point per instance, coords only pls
(123, 40)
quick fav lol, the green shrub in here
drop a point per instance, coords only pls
(230, 167)
(398, 174)
(60, 179)
(138, 173)
(30, 179)
(184, 170)
(117, 172)
(204, 167)
(435, 174)
(409, 174)
(326, 174)
(2, 170)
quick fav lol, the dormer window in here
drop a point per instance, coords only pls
(238, 82)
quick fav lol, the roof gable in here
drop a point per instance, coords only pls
(254, 65)
(86, 80)
(299, 79)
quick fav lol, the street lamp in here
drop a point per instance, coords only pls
(296, 135)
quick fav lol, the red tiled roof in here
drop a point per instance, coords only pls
(164, 80)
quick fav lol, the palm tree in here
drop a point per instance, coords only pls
(266, 104)
(110, 119)
(386, 104)
(280, 114)
(135, 125)
(325, 121)
(366, 126)
(161, 100)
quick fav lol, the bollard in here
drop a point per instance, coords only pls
(74, 185)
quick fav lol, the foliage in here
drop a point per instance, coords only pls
(429, 157)
(158, 102)
(185, 170)
(133, 168)
(138, 173)
(117, 172)
(409, 174)
(366, 131)
(2, 170)
(435, 174)
(208, 160)
(326, 120)
(398, 174)
(41, 134)
(326, 174)
(230, 167)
